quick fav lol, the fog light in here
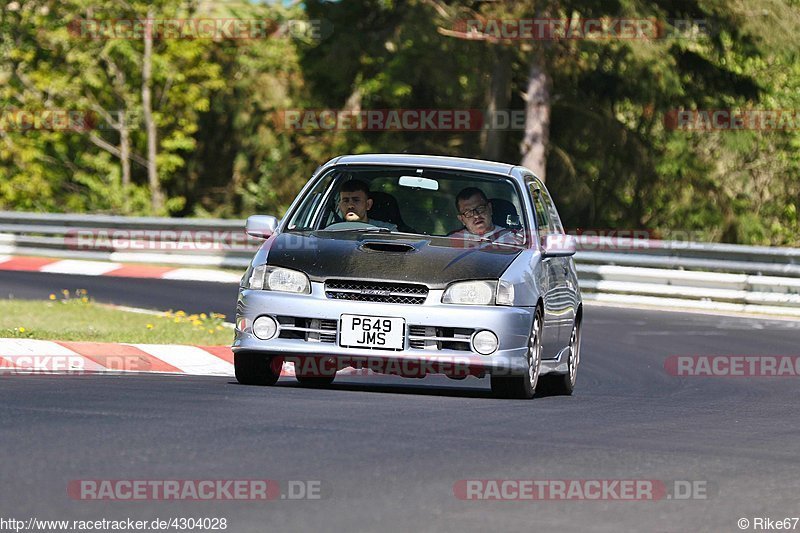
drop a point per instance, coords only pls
(265, 327)
(484, 342)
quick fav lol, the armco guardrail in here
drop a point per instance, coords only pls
(173, 241)
(691, 274)
(673, 273)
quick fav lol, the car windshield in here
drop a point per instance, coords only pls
(413, 200)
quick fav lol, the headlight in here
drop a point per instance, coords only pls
(280, 279)
(285, 280)
(470, 293)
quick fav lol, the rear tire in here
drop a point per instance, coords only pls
(257, 369)
(523, 386)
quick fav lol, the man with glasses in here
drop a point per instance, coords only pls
(475, 212)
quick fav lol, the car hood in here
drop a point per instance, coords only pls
(433, 261)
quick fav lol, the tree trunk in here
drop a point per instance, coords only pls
(118, 80)
(125, 160)
(156, 196)
(498, 96)
(537, 117)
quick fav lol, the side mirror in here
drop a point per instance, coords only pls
(558, 246)
(261, 226)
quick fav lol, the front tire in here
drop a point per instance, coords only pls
(315, 371)
(524, 386)
(564, 384)
(257, 369)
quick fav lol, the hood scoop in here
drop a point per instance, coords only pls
(387, 246)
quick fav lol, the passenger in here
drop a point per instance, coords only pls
(354, 203)
(475, 212)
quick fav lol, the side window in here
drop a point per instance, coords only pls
(541, 212)
(303, 217)
(554, 220)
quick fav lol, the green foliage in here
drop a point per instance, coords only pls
(73, 316)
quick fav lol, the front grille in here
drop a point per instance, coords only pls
(420, 337)
(376, 291)
(307, 329)
(326, 331)
(433, 338)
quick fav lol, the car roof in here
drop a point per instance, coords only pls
(456, 163)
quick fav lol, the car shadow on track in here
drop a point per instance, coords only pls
(398, 388)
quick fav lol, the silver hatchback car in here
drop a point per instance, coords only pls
(410, 265)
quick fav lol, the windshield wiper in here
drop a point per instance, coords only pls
(360, 230)
(496, 243)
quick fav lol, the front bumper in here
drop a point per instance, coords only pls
(512, 325)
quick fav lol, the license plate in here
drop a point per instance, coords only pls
(358, 331)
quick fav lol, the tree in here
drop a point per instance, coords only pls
(75, 67)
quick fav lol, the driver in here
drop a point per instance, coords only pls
(475, 212)
(354, 203)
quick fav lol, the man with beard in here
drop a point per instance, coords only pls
(354, 203)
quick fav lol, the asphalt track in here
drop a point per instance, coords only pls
(388, 451)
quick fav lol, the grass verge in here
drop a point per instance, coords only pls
(76, 318)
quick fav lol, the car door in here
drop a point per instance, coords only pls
(565, 292)
(551, 268)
